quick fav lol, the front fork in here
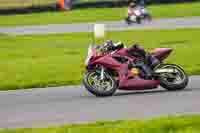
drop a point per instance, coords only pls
(102, 72)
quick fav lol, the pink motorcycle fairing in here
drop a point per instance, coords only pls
(161, 53)
(109, 62)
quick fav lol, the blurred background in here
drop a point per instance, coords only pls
(12, 4)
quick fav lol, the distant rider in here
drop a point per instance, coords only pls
(132, 6)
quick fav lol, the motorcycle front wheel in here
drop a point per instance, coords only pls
(93, 83)
(128, 21)
(173, 81)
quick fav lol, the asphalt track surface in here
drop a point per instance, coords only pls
(193, 22)
(73, 104)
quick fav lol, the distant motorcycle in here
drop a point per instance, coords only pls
(111, 67)
(138, 15)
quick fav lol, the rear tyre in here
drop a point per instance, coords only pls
(138, 20)
(176, 81)
(97, 87)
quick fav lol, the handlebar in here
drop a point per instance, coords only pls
(109, 46)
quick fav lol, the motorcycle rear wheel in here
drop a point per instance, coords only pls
(179, 80)
(97, 87)
(138, 20)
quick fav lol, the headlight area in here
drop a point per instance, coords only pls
(89, 56)
(87, 60)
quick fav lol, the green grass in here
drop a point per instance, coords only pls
(9, 4)
(53, 60)
(178, 124)
(98, 14)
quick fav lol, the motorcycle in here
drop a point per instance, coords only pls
(138, 15)
(108, 69)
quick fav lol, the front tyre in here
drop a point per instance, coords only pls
(93, 83)
(177, 80)
(127, 20)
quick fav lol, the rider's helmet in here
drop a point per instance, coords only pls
(132, 4)
(113, 46)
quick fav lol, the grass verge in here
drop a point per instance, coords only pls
(9, 4)
(53, 60)
(98, 14)
(178, 124)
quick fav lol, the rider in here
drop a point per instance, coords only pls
(148, 61)
(132, 6)
(113, 46)
(144, 60)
